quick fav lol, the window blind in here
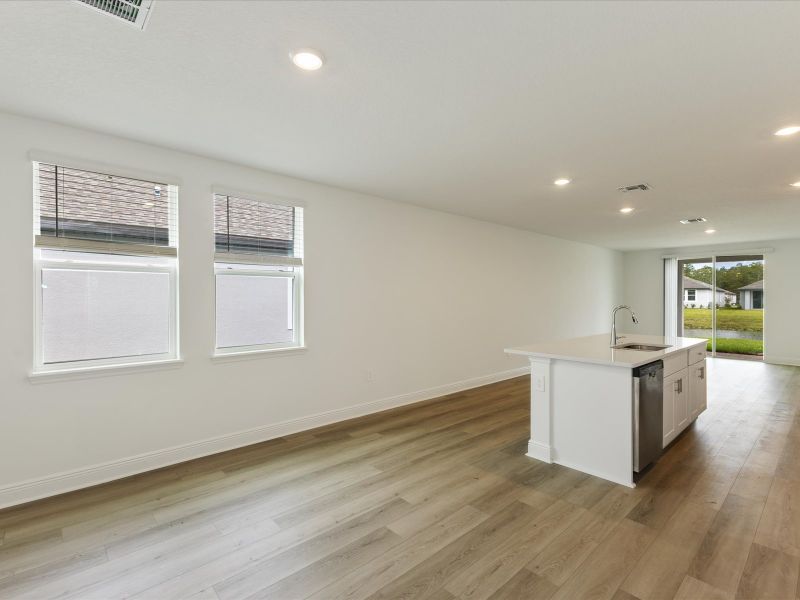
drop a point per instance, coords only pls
(672, 298)
(100, 212)
(257, 231)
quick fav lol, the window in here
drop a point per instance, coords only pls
(105, 251)
(258, 265)
(691, 294)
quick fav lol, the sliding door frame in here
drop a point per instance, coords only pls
(713, 259)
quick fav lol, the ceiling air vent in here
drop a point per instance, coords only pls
(695, 220)
(134, 12)
(632, 188)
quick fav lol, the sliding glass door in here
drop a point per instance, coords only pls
(721, 299)
(739, 323)
(695, 304)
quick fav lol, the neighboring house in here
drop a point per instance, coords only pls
(699, 293)
(752, 295)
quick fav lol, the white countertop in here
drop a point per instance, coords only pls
(595, 349)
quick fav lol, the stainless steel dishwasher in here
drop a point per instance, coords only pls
(648, 416)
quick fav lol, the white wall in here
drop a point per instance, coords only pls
(702, 298)
(401, 303)
(644, 291)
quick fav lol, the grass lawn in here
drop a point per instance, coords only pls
(731, 346)
(727, 318)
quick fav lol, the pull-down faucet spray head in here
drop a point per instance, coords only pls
(614, 337)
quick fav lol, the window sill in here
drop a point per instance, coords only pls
(251, 354)
(103, 371)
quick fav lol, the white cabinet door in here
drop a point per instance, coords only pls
(682, 401)
(670, 391)
(676, 405)
(697, 389)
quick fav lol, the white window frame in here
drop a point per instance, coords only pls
(241, 264)
(169, 267)
(111, 257)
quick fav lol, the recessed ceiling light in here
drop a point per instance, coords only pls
(711, 230)
(626, 210)
(791, 130)
(562, 181)
(795, 184)
(308, 59)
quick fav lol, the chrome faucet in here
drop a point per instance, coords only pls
(614, 337)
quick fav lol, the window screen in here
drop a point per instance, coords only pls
(100, 314)
(254, 310)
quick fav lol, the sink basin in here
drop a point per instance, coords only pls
(641, 347)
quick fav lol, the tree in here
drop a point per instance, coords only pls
(728, 278)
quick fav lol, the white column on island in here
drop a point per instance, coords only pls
(540, 444)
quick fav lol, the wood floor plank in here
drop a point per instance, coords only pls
(722, 555)
(368, 579)
(525, 585)
(604, 570)
(755, 477)
(488, 574)
(779, 527)
(660, 571)
(694, 589)
(714, 484)
(768, 574)
(427, 578)
(323, 572)
(559, 559)
(260, 564)
(441, 500)
(32, 580)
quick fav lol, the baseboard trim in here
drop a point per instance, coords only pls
(627, 483)
(60, 483)
(777, 360)
(540, 451)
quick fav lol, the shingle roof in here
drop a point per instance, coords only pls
(694, 284)
(756, 285)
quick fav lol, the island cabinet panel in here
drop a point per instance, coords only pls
(697, 354)
(697, 389)
(682, 401)
(675, 362)
(591, 418)
(670, 391)
(676, 404)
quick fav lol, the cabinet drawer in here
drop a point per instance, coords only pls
(675, 363)
(697, 354)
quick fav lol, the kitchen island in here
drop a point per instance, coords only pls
(585, 406)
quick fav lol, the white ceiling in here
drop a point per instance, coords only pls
(472, 108)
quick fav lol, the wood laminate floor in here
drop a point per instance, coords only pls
(438, 501)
